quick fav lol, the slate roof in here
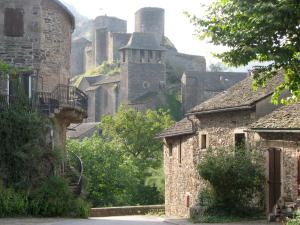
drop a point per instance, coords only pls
(109, 79)
(217, 81)
(238, 96)
(284, 118)
(93, 79)
(146, 41)
(81, 131)
(183, 127)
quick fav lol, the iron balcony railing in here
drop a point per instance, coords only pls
(62, 96)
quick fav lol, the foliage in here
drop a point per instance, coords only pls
(236, 177)
(265, 31)
(118, 163)
(23, 146)
(156, 179)
(104, 69)
(12, 203)
(294, 221)
(174, 105)
(54, 198)
(134, 133)
(217, 67)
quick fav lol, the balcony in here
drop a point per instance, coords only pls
(64, 101)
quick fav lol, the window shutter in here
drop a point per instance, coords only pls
(13, 22)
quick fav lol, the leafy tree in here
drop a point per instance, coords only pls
(217, 67)
(266, 31)
(117, 164)
(134, 132)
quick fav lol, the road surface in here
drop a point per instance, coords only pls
(126, 220)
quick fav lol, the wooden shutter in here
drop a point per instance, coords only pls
(13, 22)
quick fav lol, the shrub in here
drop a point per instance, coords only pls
(236, 177)
(54, 198)
(12, 203)
(294, 221)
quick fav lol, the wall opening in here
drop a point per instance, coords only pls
(142, 56)
(170, 150)
(13, 22)
(203, 141)
(180, 152)
(240, 140)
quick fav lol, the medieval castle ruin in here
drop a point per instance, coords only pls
(148, 62)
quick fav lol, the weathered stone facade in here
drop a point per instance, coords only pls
(36, 35)
(219, 122)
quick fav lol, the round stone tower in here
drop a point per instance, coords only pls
(151, 20)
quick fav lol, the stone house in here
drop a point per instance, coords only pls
(36, 35)
(278, 135)
(218, 122)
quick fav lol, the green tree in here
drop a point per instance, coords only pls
(134, 132)
(261, 30)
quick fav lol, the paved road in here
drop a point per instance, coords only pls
(127, 220)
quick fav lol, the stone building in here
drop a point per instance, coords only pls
(197, 87)
(80, 56)
(218, 122)
(278, 135)
(36, 35)
(145, 57)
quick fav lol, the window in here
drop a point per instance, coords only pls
(13, 22)
(170, 150)
(124, 56)
(179, 152)
(203, 141)
(240, 140)
(150, 54)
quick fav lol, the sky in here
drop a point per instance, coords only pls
(177, 26)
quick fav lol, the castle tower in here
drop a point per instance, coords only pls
(103, 25)
(143, 71)
(151, 20)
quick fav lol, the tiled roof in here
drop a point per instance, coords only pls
(286, 117)
(183, 127)
(81, 131)
(238, 96)
(145, 41)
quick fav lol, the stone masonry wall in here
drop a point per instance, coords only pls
(55, 47)
(183, 179)
(115, 42)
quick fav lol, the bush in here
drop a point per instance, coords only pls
(12, 203)
(54, 198)
(294, 221)
(236, 177)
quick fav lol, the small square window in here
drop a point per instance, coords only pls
(13, 22)
(203, 141)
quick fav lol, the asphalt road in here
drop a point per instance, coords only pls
(126, 220)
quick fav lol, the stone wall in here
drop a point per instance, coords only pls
(78, 57)
(151, 20)
(115, 42)
(182, 179)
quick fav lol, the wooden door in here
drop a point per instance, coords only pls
(274, 177)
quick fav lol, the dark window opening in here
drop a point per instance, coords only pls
(203, 141)
(124, 56)
(13, 22)
(150, 54)
(240, 140)
(170, 150)
(179, 152)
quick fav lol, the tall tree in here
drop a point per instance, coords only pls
(263, 30)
